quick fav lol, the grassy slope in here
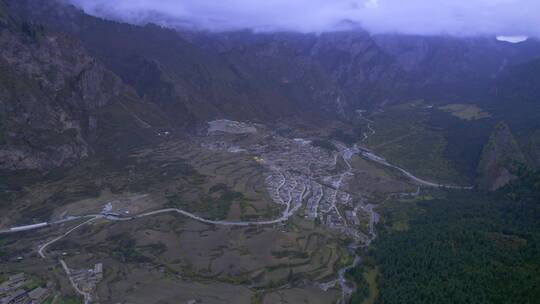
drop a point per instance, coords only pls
(429, 142)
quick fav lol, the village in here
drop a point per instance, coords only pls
(23, 289)
(303, 177)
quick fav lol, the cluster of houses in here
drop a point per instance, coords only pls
(16, 290)
(230, 126)
(299, 172)
(87, 279)
(311, 176)
(21, 289)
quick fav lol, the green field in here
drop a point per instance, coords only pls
(465, 111)
(428, 142)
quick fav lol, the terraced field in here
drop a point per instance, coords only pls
(267, 215)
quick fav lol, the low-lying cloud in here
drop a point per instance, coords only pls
(425, 17)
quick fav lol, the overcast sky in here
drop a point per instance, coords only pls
(455, 17)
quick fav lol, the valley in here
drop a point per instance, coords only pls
(146, 160)
(308, 186)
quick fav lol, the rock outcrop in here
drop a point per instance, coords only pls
(500, 158)
(48, 85)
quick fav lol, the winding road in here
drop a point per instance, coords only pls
(345, 153)
(380, 160)
(375, 158)
(86, 296)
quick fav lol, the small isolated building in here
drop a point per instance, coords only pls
(38, 295)
(98, 271)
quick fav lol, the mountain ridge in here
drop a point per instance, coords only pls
(190, 77)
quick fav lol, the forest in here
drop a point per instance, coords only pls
(463, 248)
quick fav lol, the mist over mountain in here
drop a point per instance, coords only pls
(194, 76)
(423, 17)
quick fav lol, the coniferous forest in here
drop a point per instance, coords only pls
(464, 249)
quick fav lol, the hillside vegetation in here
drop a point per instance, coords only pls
(461, 248)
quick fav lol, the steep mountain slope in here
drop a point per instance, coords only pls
(241, 75)
(521, 82)
(51, 96)
(451, 68)
(199, 75)
(340, 70)
(517, 101)
(192, 84)
(267, 77)
(500, 158)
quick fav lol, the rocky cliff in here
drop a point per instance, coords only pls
(500, 158)
(48, 87)
(61, 66)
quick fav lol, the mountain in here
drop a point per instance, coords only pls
(189, 77)
(500, 158)
(47, 84)
(198, 76)
(454, 68)
(54, 98)
(522, 82)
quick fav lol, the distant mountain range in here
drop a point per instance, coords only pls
(66, 76)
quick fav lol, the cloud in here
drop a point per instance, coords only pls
(426, 17)
(512, 39)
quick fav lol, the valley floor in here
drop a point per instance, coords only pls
(303, 201)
